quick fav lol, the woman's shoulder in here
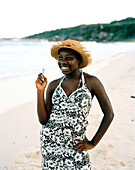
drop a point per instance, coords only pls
(92, 81)
(91, 78)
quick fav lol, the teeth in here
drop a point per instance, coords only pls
(64, 68)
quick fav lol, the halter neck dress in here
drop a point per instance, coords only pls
(67, 121)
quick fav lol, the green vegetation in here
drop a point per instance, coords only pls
(123, 30)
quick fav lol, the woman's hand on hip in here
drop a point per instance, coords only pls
(83, 145)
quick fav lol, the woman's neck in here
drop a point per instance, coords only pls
(73, 75)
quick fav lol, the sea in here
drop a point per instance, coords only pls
(20, 57)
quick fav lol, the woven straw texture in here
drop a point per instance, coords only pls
(75, 45)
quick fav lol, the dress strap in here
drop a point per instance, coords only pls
(82, 79)
(84, 85)
(61, 80)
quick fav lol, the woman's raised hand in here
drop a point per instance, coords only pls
(41, 82)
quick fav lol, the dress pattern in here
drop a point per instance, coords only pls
(67, 122)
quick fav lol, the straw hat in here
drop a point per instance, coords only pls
(75, 45)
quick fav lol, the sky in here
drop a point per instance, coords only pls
(20, 18)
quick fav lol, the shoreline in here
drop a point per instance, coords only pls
(45, 39)
(19, 126)
(14, 88)
(24, 85)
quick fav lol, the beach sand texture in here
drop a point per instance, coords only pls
(19, 126)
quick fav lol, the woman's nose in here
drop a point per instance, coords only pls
(63, 61)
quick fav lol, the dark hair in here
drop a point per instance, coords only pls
(77, 55)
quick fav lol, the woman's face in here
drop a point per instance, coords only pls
(67, 61)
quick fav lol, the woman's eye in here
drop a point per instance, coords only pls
(68, 58)
(60, 58)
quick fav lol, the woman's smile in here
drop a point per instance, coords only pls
(67, 61)
(65, 68)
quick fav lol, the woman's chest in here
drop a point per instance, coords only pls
(77, 98)
(70, 86)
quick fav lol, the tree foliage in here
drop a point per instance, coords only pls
(115, 31)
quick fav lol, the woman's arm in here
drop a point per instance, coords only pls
(97, 89)
(106, 107)
(43, 107)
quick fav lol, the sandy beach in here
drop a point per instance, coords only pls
(19, 126)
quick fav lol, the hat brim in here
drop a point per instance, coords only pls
(76, 46)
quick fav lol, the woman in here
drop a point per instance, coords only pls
(63, 114)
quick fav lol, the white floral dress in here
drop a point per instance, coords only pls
(67, 121)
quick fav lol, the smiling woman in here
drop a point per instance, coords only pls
(64, 112)
(67, 60)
